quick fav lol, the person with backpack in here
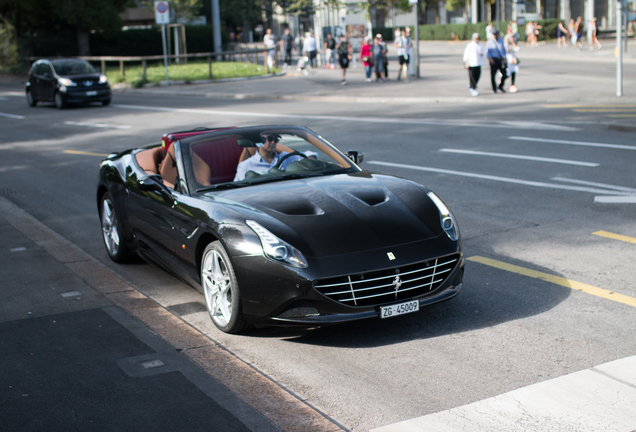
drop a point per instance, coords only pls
(344, 57)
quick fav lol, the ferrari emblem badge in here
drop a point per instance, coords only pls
(390, 255)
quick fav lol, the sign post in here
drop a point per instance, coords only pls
(619, 49)
(162, 16)
(417, 38)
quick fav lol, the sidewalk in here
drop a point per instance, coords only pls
(82, 350)
(443, 80)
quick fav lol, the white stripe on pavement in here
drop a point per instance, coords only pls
(98, 125)
(499, 179)
(511, 156)
(364, 119)
(601, 185)
(598, 399)
(19, 117)
(615, 199)
(579, 143)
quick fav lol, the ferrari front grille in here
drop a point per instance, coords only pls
(390, 285)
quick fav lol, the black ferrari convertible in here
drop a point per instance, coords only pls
(276, 226)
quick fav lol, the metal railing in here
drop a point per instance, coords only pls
(244, 56)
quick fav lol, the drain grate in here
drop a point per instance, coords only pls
(7, 191)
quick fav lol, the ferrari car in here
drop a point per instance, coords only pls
(277, 227)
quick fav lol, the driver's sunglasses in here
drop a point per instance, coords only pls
(272, 139)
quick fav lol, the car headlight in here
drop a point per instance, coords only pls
(67, 82)
(446, 217)
(103, 79)
(277, 249)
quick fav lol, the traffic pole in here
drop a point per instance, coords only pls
(619, 49)
(165, 52)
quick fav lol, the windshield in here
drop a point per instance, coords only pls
(246, 156)
(73, 67)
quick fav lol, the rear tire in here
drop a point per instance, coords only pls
(111, 230)
(221, 290)
(30, 99)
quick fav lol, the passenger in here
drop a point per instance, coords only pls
(267, 157)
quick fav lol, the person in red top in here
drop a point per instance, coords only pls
(366, 57)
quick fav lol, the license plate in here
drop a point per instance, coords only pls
(91, 93)
(399, 309)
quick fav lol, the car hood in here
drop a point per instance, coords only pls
(325, 216)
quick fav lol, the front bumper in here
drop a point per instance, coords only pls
(86, 94)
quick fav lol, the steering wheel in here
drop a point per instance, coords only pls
(288, 155)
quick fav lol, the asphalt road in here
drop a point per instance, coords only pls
(529, 184)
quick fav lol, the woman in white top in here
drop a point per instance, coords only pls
(474, 59)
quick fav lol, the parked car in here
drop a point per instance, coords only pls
(306, 239)
(66, 81)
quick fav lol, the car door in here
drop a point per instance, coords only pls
(150, 216)
(46, 83)
(187, 218)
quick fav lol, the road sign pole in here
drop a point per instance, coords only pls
(619, 49)
(165, 52)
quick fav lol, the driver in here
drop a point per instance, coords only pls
(267, 157)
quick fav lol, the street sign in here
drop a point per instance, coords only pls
(162, 12)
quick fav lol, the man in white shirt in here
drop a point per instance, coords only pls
(267, 158)
(403, 44)
(474, 59)
(310, 49)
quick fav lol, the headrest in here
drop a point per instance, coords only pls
(244, 142)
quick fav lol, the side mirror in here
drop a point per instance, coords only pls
(356, 156)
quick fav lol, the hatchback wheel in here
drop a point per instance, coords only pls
(30, 99)
(59, 101)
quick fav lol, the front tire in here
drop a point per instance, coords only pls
(221, 290)
(111, 231)
(30, 99)
(59, 101)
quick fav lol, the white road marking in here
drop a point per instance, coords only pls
(511, 156)
(499, 179)
(19, 117)
(615, 199)
(579, 143)
(602, 185)
(598, 399)
(98, 125)
(11, 93)
(365, 119)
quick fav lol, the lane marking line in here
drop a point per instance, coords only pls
(621, 115)
(557, 280)
(365, 119)
(580, 143)
(613, 236)
(606, 110)
(511, 156)
(11, 93)
(615, 200)
(499, 179)
(84, 153)
(602, 185)
(98, 125)
(19, 117)
(589, 106)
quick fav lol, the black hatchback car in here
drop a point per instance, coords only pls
(66, 81)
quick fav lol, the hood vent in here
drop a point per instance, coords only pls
(296, 208)
(370, 197)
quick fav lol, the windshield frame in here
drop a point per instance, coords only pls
(335, 162)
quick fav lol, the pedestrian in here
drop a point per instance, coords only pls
(511, 59)
(474, 59)
(330, 50)
(489, 30)
(529, 33)
(344, 57)
(496, 54)
(410, 52)
(572, 32)
(310, 49)
(366, 57)
(535, 37)
(386, 55)
(578, 30)
(379, 54)
(515, 30)
(593, 37)
(270, 41)
(287, 45)
(562, 34)
(403, 44)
